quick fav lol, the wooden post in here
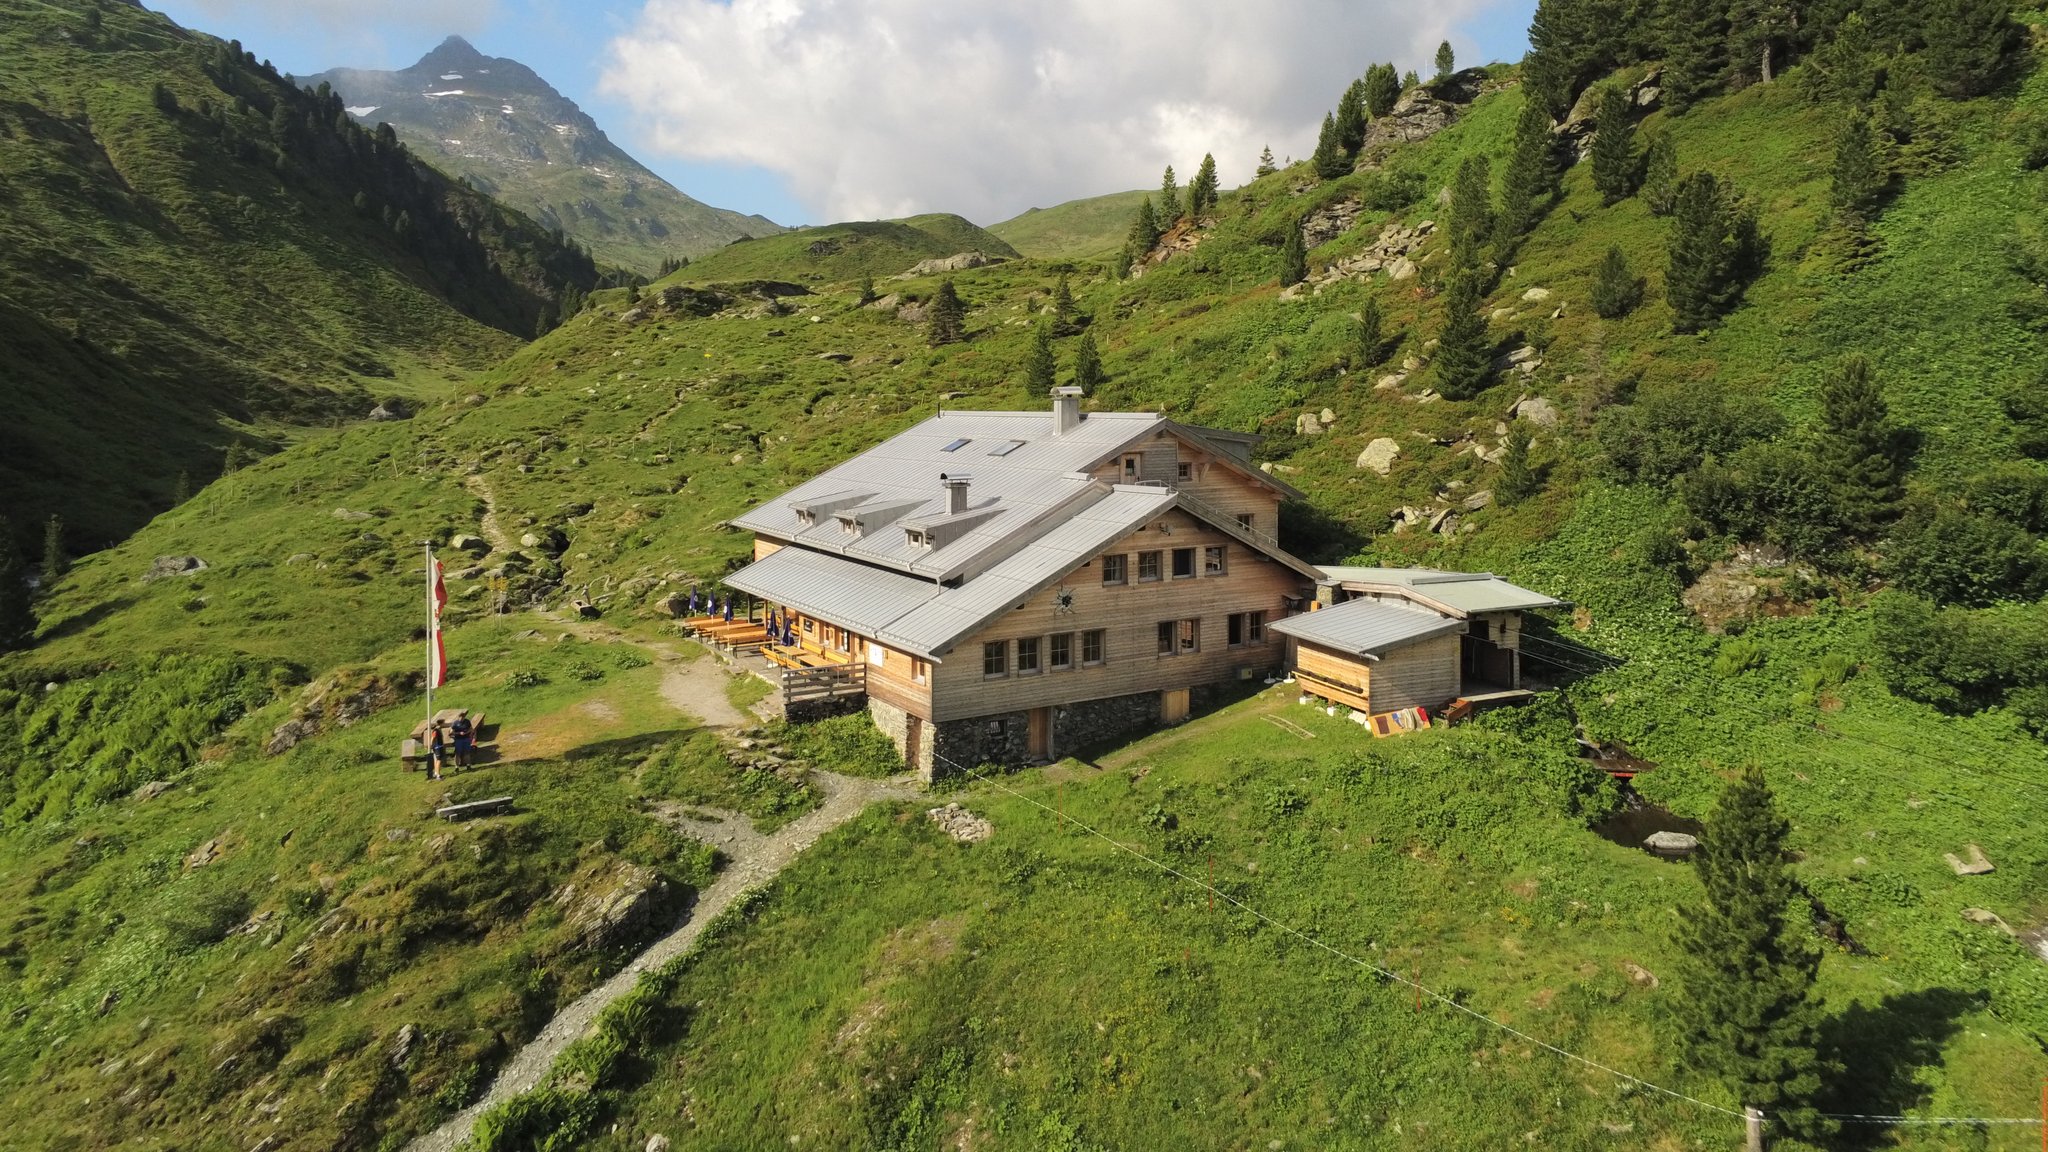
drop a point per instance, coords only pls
(1753, 1129)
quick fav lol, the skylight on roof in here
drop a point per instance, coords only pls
(1005, 447)
(956, 445)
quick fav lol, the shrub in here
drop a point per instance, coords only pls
(1738, 656)
(1951, 556)
(1669, 431)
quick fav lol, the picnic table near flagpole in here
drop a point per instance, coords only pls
(413, 752)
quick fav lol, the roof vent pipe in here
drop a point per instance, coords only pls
(1066, 410)
(956, 491)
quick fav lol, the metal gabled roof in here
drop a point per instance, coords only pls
(851, 595)
(937, 624)
(1462, 593)
(1368, 628)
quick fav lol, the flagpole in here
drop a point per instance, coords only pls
(430, 630)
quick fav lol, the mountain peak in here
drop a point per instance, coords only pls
(454, 52)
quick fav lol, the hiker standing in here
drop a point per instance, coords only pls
(437, 751)
(465, 740)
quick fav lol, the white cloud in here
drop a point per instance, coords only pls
(876, 108)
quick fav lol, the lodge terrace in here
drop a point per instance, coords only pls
(1007, 587)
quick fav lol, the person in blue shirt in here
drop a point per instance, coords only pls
(465, 740)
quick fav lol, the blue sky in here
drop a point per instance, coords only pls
(725, 152)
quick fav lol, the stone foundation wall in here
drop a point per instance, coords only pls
(894, 723)
(1000, 739)
(1083, 727)
(809, 710)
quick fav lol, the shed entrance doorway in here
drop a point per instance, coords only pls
(1038, 737)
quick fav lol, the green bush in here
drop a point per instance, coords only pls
(1738, 656)
(1952, 556)
(849, 744)
(1669, 431)
(543, 1120)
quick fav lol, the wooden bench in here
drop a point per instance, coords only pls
(494, 806)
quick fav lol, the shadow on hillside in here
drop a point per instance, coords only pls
(88, 618)
(1881, 1048)
(1316, 536)
(1559, 660)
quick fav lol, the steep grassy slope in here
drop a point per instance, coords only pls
(217, 262)
(1076, 228)
(1047, 990)
(498, 124)
(842, 253)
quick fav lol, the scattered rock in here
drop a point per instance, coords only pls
(961, 824)
(883, 303)
(151, 790)
(1307, 424)
(1976, 865)
(166, 566)
(1478, 500)
(350, 515)
(398, 835)
(1379, 455)
(206, 853)
(1416, 116)
(1401, 269)
(1639, 975)
(401, 1047)
(1536, 410)
(299, 558)
(474, 545)
(656, 1143)
(1671, 843)
(1330, 221)
(1535, 295)
(1327, 417)
(288, 735)
(958, 262)
(1986, 916)
(1390, 382)
(837, 357)
(619, 907)
(391, 410)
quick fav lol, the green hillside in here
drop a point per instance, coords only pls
(498, 124)
(840, 253)
(194, 254)
(1073, 229)
(1049, 988)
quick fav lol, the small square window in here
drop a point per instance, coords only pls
(1212, 560)
(1185, 471)
(1244, 520)
(1115, 569)
(1091, 646)
(1183, 563)
(1059, 652)
(1027, 655)
(995, 658)
(1148, 566)
(1133, 467)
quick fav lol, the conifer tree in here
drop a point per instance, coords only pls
(1748, 1015)
(1859, 447)
(17, 608)
(1293, 256)
(237, 458)
(1517, 479)
(1470, 223)
(1351, 119)
(1846, 66)
(1446, 61)
(1967, 42)
(1202, 193)
(1328, 158)
(1382, 90)
(1858, 179)
(1616, 288)
(1265, 167)
(1087, 363)
(1714, 247)
(1410, 81)
(54, 561)
(1066, 319)
(181, 489)
(946, 316)
(1144, 235)
(1660, 174)
(1531, 173)
(1372, 335)
(1040, 369)
(867, 289)
(1614, 147)
(1463, 364)
(1695, 35)
(1168, 212)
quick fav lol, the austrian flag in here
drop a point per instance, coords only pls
(437, 599)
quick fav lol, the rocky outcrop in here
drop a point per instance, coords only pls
(958, 262)
(164, 567)
(1330, 221)
(1416, 116)
(1576, 131)
(1389, 253)
(615, 908)
(338, 700)
(390, 410)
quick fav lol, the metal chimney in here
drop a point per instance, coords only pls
(956, 491)
(1066, 410)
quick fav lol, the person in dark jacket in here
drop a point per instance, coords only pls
(465, 740)
(437, 752)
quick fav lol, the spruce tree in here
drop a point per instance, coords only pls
(236, 459)
(1470, 223)
(1293, 256)
(1531, 173)
(1616, 288)
(1202, 193)
(1265, 167)
(1328, 158)
(1517, 479)
(1351, 119)
(1858, 179)
(181, 489)
(1168, 212)
(1372, 334)
(1695, 34)
(17, 607)
(1382, 90)
(1859, 447)
(1066, 319)
(1040, 369)
(867, 289)
(1748, 1016)
(1967, 43)
(1087, 363)
(946, 316)
(1660, 174)
(1410, 80)
(1144, 235)
(1446, 61)
(1714, 247)
(1614, 147)
(1463, 363)
(1846, 67)
(53, 552)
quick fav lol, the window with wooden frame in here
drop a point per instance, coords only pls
(1212, 559)
(1247, 628)
(1091, 646)
(1116, 569)
(995, 658)
(1188, 634)
(1183, 563)
(920, 671)
(1059, 651)
(1027, 656)
(1244, 520)
(1184, 471)
(1166, 628)
(1148, 566)
(1134, 467)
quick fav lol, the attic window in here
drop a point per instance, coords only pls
(957, 445)
(1005, 447)
(918, 537)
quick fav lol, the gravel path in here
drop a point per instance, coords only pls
(755, 862)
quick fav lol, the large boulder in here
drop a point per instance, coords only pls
(616, 908)
(1379, 455)
(390, 410)
(164, 567)
(474, 545)
(958, 262)
(1416, 116)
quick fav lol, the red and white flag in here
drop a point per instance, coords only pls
(437, 598)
